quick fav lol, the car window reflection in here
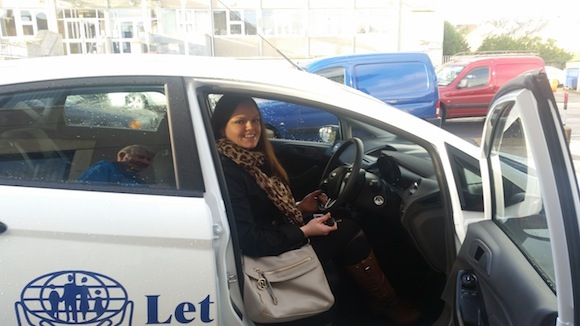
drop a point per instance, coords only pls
(135, 110)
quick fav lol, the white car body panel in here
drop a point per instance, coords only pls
(155, 231)
(113, 227)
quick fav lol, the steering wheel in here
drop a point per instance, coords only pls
(339, 180)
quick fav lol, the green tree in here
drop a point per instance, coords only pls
(552, 55)
(453, 41)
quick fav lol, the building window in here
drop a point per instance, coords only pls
(220, 23)
(41, 21)
(250, 22)
(193, 21)
(7, 22)
(374, 21)
(27, 23)
(235, 22)
(330, 22)
(82, 30)
(284, 22)
(30, 22)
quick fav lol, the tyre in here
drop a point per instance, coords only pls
(442, 113)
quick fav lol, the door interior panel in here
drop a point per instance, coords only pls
(304, 162)
(496, 285)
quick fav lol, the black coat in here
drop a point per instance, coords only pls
(262, 228)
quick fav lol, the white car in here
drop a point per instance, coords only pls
(473, 236)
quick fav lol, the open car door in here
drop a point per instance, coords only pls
(521, 265)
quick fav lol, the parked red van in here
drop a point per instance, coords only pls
(468, 83)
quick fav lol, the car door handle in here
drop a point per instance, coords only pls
(3, 227)
(480, 254)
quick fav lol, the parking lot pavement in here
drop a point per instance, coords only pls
(571, 118)
(575, 151)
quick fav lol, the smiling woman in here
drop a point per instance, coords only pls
(271, 223)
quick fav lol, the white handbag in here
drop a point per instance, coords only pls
(287, 287)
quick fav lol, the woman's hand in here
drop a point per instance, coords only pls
(316, 226)
(309, 204)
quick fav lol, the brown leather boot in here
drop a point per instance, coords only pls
(384, 300)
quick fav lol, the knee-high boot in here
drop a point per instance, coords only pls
(383, 298)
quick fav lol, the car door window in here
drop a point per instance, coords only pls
(336, 74)
(517, 201)
(477, 77)
(292, 121)
(468, 176)
(390, 80)
(142, 110)
(98, 136)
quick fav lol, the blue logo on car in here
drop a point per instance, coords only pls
(74, 298)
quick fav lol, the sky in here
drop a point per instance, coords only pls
(471, 11)
(563, 15)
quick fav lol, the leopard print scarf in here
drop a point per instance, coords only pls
(278, 191)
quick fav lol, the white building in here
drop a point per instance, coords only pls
(240, 28)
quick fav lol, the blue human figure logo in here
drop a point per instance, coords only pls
(74, 298)
(69, 297)
(99, 307)
(54, 299)
(84, 296)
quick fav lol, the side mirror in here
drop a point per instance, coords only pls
(462, 83)
(270, 133)
(328, 133)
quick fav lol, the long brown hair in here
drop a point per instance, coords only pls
(222, 113)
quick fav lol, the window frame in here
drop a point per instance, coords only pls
(467, 191)
(24, 22)
(513, 220)
(237, 18)
(187, 165)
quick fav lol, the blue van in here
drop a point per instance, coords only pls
(405, 80)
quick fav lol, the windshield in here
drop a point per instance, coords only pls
(447, 73)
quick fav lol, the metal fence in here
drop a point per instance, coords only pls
(10, 50)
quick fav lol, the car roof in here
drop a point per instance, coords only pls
(280, 78)
(222, 69)
(79, 66)
(367, 57)
(469, 59)
(276, 78)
